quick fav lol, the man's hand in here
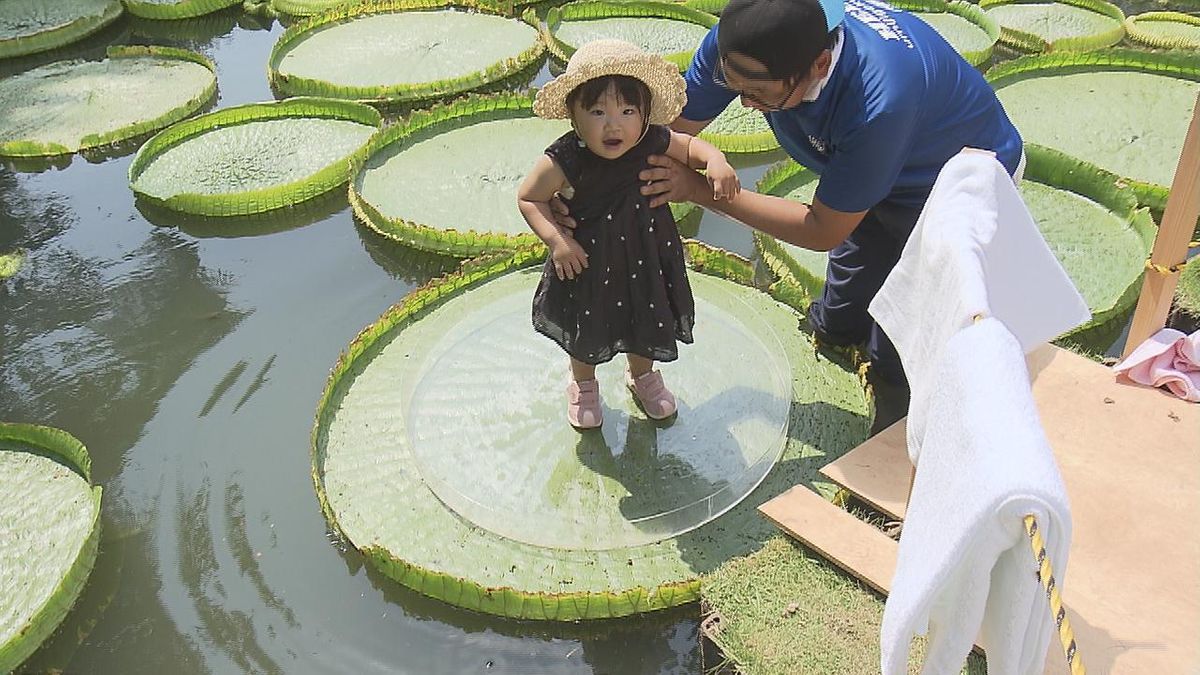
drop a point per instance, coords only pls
(671, 181)
(562, 214)
(569, 257)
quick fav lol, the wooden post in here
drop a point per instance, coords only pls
(1170, 246)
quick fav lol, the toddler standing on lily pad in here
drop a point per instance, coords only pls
(616, 283)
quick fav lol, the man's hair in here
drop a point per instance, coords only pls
(632, 91)
(786, 36)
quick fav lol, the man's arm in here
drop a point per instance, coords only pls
(689, 127)
(815, 227)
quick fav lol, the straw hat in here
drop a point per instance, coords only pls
(668, 91)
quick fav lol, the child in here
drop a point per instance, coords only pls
(617, 283)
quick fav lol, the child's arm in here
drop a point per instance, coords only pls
(700, 154)
(533, 199)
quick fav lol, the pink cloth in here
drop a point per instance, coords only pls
(1168, 359)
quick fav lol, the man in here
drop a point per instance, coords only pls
(872, 99)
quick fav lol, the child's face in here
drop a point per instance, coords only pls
(610, 127)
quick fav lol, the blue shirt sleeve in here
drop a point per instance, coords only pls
(705, 99)
(864, 166)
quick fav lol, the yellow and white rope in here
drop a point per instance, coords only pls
(1045, 576)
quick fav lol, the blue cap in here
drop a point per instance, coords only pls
(835, 11)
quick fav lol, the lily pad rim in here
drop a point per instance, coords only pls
(1137, 33)
(181, 9)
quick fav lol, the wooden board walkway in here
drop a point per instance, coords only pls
(1130, 458)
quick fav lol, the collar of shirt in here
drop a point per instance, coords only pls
(815, 90)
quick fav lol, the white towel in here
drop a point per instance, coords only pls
(965, 567)
(975, 250)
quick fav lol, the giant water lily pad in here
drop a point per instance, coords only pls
(176, 9)
(253, 158)
(402, 51)
(1165, 30)
(29, 26)
(445, 179)
(372, 487)
(967, 28)
(1067, 25)
(75, 105)
(667, 29)
(1088, 220)
(50, 526)
(739, 129)
(1124, 111)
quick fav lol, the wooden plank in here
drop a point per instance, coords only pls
(870, 471)
(1130, 458)
(858, 548)
(1171, 243)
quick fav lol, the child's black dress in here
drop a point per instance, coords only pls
(634, 296)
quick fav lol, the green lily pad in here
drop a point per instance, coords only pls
(1071, 25)
(30, 26)
(670, 30)
(253, 158)
(176, 9)
(50, 521)
(1081, 210)
(739, 129)
(402, 51)
(967, 28)
(307, 7)
(11, 262)
(1124, 111)
(800, 268)
(1165, 30)
(413, 186)
(68, 106)
(372, 487)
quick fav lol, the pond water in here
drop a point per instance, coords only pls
(189, 359)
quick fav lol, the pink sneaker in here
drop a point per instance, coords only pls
(583, 404)
(657, 401)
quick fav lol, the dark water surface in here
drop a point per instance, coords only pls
(189, 357)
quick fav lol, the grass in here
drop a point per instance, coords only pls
(785, 610)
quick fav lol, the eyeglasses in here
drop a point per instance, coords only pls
(718, 78)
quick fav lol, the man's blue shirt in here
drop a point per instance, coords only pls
(899, 103)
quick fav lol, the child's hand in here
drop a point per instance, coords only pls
(569, 257)
(722, 179)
